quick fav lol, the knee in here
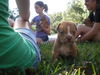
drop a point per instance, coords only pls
(80, 27)
(39, 40)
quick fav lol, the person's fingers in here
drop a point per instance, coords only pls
(80, 30)
(77, 34)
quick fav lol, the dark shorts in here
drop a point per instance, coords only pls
(44, 38)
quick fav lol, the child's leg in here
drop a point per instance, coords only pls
(96, 30)
(39, 40)
(82, 29)
(97, 37)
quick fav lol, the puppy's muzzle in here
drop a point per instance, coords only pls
(69, 37)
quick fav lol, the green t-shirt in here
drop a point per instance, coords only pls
(15, 51)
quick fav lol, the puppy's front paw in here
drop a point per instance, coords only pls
(54, 57)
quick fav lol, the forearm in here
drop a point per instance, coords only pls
(24, 8)
(92, 32)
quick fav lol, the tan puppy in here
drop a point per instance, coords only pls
(44, 25)
(65, 42)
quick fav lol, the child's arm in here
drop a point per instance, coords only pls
(92, 32)
(24, 8)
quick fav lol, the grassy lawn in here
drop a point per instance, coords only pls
(88, 52)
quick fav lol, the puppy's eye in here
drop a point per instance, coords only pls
(61, 32)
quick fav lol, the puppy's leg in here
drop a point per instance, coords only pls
(55, 56)
(70, 60)
(73, 53)
(74, 50)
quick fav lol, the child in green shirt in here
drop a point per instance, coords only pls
(17, 49)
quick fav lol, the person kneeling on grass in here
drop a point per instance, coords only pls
(17, 49)
(92, 32)
(42, 22)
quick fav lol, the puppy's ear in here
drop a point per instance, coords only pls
(76, 26)
(58, 26)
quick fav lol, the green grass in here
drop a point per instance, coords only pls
(87, 52)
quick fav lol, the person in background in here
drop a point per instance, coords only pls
(42, 31)
(17, 49)
(90, 31)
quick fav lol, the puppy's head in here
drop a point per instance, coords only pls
(87, 22)
(66, 32)
(43, 20)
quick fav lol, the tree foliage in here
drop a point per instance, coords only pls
(77, 12)
(55, 20)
